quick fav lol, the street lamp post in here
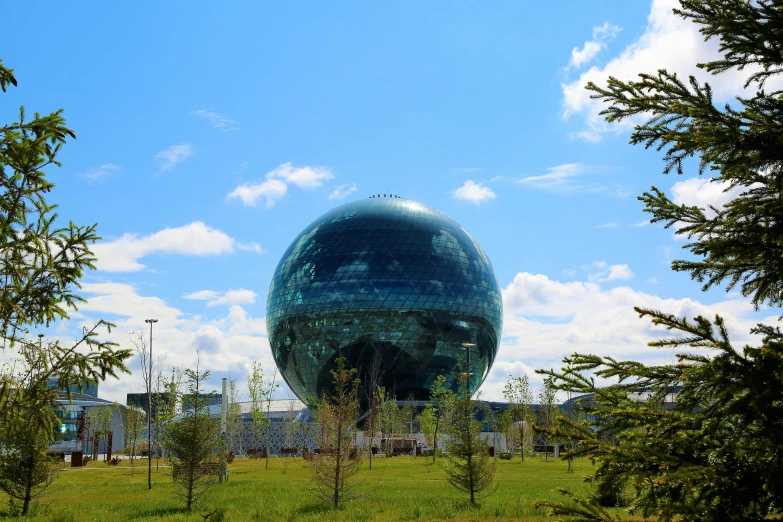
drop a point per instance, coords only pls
(468, 347)
(149, 410)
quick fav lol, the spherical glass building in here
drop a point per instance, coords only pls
(393, 286)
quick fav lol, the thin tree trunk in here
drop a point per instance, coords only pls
(28, 490)
(191, 479)
(336, 499)
(435, 439)
(372, 437)
(266, 445)
(470, 461)
(522, 439)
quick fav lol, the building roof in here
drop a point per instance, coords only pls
(78, 399)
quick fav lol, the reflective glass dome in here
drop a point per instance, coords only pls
(387, 283)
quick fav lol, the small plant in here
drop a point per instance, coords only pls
(505, 455)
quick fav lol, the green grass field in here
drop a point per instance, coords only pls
(399, 488)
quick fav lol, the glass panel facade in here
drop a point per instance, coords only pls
(385, 282)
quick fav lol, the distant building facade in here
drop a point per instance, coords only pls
(85, 389)
(139, 400)
(215, 399)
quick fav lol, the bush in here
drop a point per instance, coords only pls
(505, 455)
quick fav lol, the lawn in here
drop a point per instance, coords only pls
(398, 488)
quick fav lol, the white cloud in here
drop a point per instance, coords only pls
(173, 156)
(269, 191)
(704, 192)
(640, 224)
(196, 239)
(274, 187)
(604, 273)
(202, 295)
(231, 297)
(602, 34)
(669, 42)
(608, 225)
(302, 177)
(101, 172)
(546, 320)
(575, 177)
(560, 177)
(216, 120)
(342, 191)
(250, 247)
(474, 192)
(227, 344)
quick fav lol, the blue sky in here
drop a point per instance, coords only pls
(210, 135)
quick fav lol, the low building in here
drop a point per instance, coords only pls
(72, 414)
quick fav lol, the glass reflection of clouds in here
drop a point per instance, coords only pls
(385, 282)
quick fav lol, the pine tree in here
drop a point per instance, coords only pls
(195, 443)
(469, 467)
(26, 471)
(339, 460)
(42, 263)
(714, 453)
(738, 244)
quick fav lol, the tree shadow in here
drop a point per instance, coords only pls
(159, 512)
(314, 508)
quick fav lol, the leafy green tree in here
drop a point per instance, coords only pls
(391, 419)
(234, 417)
(42, 263)
(372, 423)
(547, 414)
(519, 396)
(101, 421)
(501, 422)
(714, 454)
(408, 415)
(339, 459)
(170, 409)
(133, 428)
(195, 442)
(443, 401)
(469, 467)
(268, 395)
(428, 423)
(261, 394)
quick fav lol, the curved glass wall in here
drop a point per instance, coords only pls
(387, 283)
